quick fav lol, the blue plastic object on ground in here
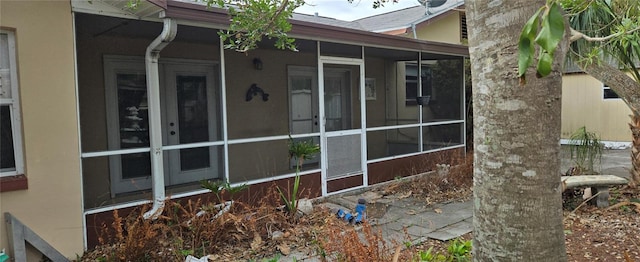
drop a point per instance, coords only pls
(359, 216)
(361, 211)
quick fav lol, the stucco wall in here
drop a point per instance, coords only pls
(582, 105)
(51, 206)
(442, 29)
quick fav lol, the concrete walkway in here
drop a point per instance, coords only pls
(442, 221)
(613, 162)
(391, 214)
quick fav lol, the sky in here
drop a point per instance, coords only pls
(343, 10)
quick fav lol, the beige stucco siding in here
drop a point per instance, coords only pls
(444, 29)
(51, 206)
(583, 105)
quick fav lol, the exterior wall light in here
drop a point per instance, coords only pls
(257, 63)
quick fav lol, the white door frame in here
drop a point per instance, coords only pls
(113, 65)
(172, 68)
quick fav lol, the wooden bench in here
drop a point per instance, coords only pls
(597, 183)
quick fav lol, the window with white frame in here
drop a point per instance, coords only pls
(10, 135)
(608, 93)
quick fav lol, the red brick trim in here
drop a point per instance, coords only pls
(13, 183)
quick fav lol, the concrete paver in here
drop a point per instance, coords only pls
(446, 221)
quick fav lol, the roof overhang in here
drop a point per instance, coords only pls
(119, 8)
(198, 14)
(314, 31)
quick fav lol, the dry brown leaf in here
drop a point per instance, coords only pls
(284, 249)
(437, 210)
(391, 188)
(408, 194)
(396, 256)
(257, 242)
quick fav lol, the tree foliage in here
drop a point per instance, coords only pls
(601, 31)
(377, 3)
(606, 30)
(545, 28)
(605, 43)
(252, 20)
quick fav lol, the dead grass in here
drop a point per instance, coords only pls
(452, 185)
(253, 232)
(184, 228)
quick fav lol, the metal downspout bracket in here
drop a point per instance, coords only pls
(155, 125)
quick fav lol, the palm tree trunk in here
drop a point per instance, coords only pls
(635, 150)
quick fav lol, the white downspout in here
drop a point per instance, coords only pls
(155, 126)
(413, 29)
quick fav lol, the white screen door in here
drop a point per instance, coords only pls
(341, 114)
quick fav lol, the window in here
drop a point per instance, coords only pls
(10, 141)
(411, 80)
(607, 93)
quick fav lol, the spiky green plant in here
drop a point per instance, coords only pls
(219, 187)
(298, 151)
(586, 149)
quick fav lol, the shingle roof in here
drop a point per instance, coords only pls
(404, 18)
(327, 21)
(397, 19)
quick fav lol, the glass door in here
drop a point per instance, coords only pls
(190, 114)
(303, 110)
(127, 124)
(191, 117)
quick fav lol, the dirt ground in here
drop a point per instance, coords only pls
(605, 234)
(595, 234)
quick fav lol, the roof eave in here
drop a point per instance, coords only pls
(314, 31)
(118, 8)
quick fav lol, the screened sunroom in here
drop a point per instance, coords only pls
(377, 105)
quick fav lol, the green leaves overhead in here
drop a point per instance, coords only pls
(552, 29)
(546, 34)
(251, 20)
(525, 46)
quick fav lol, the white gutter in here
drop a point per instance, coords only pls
(155, 126)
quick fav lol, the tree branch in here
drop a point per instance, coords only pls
(576, 35)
